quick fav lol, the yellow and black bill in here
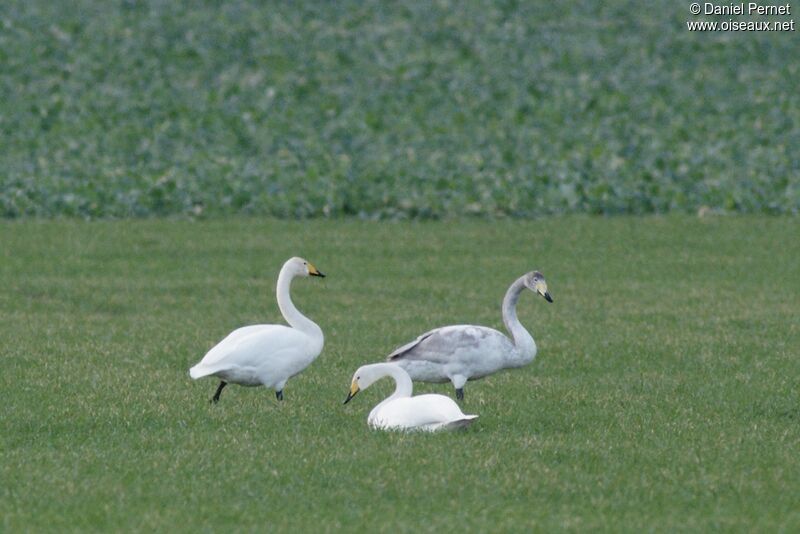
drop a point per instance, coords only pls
(541, 288)
(313, 271)
(353, 390)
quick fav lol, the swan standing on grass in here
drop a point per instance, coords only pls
(401, 411)
(467, 352)
(267, 354)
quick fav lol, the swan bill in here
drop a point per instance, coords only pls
(353, 390)
(541, 288)
(313, 271)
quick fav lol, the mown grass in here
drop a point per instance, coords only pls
(390, 109)
(665, 395)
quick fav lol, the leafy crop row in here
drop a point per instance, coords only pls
(390, 110)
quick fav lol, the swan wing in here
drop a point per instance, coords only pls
(441, 344)
(405, 349)
(252, 345)
(421, 412)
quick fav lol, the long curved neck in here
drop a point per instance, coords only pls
(523, 341)
(403, 385)
(290, 312)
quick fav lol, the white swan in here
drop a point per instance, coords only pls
(267, 354)
(467, 352)
(401, 411)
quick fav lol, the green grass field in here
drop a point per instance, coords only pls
(665, 395)
(380, 109)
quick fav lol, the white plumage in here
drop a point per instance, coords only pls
(268, 354)
(401, 411)
(467, 352)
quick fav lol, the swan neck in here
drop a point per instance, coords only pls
(523, 340)
(288, 310)
(403, 385)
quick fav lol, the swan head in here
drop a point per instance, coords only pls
(364, 377)
(535, 281)
(300, 267)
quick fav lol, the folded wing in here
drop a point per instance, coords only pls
(420, 412)
(441, 344)
(251, 346)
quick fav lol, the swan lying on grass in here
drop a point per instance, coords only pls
(401, 411)
(467, 352)
(267, 354)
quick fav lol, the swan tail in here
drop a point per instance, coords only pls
(461, 423)
(199, 372)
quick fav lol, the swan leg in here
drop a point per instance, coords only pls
(458, 383)
(215, 398)
(278, 388)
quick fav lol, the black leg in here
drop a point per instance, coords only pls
(279, 395)
(215, 398)
(460, 393)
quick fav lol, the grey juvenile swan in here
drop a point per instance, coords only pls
(467, 352)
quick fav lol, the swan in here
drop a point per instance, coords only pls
(467, 352)
(267, 354)
(401, 411)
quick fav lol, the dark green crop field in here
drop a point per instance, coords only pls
(665, 396)
(391, 110)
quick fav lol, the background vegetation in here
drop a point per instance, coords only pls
(665, 396)
(390, 109)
